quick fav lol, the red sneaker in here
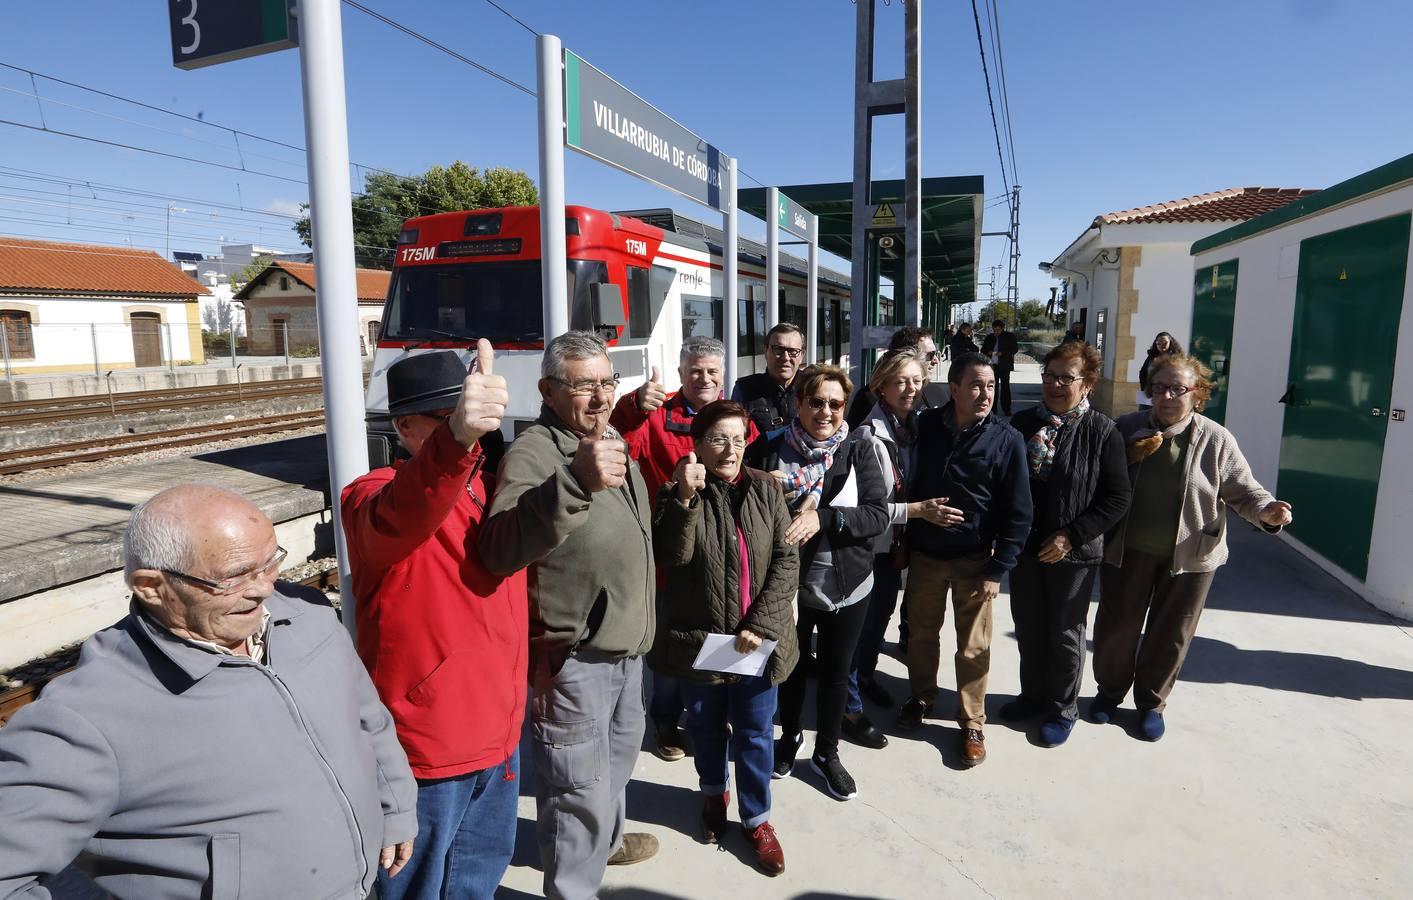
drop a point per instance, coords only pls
(769, 856)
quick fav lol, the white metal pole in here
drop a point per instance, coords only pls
(729, 264)
(549, 59)
(93, 333)
(772, 253)
(812, 299)
(331, 214)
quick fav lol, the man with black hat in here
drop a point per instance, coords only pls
(445, 639)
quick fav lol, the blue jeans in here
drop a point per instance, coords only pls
(465, 836)
(665, 708)
(881, 603)
(749, 706)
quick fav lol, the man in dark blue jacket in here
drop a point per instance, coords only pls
(971, 471)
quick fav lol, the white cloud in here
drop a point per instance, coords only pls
(283, 207)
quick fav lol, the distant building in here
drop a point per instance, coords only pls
(280, 306)
(60, 304)
(221, 274)
(1129, 276)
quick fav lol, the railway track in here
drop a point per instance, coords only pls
(29, 412)
(11, 700)
(14, 461)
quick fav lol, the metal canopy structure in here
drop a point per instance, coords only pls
(951, 227)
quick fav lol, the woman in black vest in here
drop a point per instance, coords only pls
(1080, 487)
(1164, 345)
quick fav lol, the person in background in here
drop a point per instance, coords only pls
(1079, 489)
(962, 343)
(719, 534)
(221, 738)
(1001, 347)
(909, 337)
(657, 429)
(947, 334)
(1164, 345)
(445, 641)
(769, 396)
(572, 506)
(1075, 333)
(973, 464)
(836, 493)
(1186, 471)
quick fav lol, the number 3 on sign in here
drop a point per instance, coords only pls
(190, 19)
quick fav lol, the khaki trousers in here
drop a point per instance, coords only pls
(929, 581)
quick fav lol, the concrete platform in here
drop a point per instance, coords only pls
(216, 371)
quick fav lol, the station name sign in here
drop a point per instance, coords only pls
(207, 32)
(794, 218)
(605, 120)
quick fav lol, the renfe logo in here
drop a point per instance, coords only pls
(638, 248)
(418, 254)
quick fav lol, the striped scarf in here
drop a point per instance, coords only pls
(808, 481)
(1040, 449)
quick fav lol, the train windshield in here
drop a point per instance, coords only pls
(499, 301)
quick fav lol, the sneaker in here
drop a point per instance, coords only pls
(769, 856)
(1102, 710)
(1152, 726)
(1020, 708)
(669, 742)
(973, 747)
(875, 692)
(863, 732)
(837, 779)
(1055, 732)
(637, 846)
(913, 712)
(714, 816)
(786, 749)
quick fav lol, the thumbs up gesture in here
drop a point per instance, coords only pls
(481, 405)
(651, 395)
(690, 476)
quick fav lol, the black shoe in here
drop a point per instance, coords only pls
(837, 779)
(912, 714)
(786, 749)
(863, 732)
(1020, 708)
(875, 692)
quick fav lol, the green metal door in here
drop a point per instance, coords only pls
(1213, 311)
(1348, 301)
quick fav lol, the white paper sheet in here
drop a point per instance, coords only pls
(718, 654)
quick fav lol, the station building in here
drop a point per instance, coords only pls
(280, 307)
(1128, 276)
(85, 308)
(1308, 312)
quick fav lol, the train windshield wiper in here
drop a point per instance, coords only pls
(431, 333)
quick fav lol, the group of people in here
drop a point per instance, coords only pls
(224, 736)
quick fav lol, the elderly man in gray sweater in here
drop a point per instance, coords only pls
(222, 739)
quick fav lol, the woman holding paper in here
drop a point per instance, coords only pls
(719, 536)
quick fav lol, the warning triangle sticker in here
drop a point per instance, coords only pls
(884, 215)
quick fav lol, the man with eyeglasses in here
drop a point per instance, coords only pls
(573, 507)
(222, 737)
(769, 396)
(444, 638)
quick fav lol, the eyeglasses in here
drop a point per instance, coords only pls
(787, 352)
(720, 442)
(821, 403)
(1061, 380)
(236, 583)
(933, 356)
(1159, 389)
(589, 386)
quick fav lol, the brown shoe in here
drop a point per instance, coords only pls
(668, 743)
(637, 847)
(714, 817)
(973, 747)
(769, 856)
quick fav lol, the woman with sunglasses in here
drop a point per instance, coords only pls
(836, 493)
(1186, 470)
(1079, 489)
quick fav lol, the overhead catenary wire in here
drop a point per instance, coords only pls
(995, 127)
(994, 23)
(513, 17)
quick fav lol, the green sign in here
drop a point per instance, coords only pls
(794, 218)
(207, 32)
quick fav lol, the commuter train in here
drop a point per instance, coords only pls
(465, 275)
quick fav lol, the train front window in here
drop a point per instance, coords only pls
(499, 301)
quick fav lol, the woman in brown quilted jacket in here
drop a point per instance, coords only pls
(719, 535)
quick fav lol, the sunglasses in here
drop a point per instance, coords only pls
(821, 403)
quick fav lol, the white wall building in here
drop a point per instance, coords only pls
(217, 272)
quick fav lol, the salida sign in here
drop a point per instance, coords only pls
(605, 120)
(794, 218)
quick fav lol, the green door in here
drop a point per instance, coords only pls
(1348, 301)
(1213, 310)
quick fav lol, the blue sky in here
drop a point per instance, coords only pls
(1113, 104)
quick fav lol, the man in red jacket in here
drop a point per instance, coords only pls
(445, 641)
(658, 431)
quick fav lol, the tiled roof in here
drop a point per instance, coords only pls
(89, 269)
(1230, 205)
(372, 283)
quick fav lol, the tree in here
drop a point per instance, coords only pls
(388, 200)
(246, 274)
(1030, 310)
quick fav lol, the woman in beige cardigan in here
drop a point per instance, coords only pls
(1160, 559)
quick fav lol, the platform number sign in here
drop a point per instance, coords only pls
(207, 32)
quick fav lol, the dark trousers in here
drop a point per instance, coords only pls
(1144, 588)
(834, 655)
(1050, 603)
(1003, 390)
(881, 603)
(667, 703)
(747, 705)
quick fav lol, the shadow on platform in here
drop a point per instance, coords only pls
(1211, 661)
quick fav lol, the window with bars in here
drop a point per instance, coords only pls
(19, 333)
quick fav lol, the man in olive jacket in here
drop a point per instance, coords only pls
(573, 507)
